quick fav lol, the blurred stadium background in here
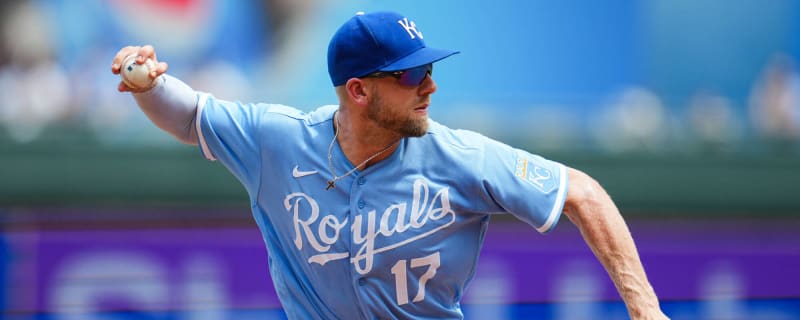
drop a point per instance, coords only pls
(687, 111)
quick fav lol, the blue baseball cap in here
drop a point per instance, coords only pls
(378, 41)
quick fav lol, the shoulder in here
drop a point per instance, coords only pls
(268, 111)
(286, 121)
(461, 139)
(267, 116)
(459, 149)
(260, 120)
(288, 114)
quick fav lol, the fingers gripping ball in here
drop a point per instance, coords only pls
(137, 76)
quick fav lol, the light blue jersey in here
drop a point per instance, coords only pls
(399, 239)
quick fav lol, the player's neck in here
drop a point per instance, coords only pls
(360, 139)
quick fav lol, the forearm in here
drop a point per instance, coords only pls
(171, 105)
(606, 233)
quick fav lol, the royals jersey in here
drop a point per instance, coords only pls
(399, 239)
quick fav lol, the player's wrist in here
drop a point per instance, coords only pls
(647, 313)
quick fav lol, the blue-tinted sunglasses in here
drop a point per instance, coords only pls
(409, 77)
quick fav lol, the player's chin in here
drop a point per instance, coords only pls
(416, 128)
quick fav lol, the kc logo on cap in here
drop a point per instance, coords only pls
(410, 27)
(379, 41)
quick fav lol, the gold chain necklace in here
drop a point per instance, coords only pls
(332, 182)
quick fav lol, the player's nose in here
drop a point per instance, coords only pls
(428, 86)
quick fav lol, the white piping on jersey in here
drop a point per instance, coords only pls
(201, 102)
(559, 202)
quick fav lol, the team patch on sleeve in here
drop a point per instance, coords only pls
(531, 171)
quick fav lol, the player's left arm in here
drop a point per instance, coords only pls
(591, 209)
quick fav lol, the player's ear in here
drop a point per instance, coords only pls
(356, 90)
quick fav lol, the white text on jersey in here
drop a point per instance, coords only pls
(395, 220)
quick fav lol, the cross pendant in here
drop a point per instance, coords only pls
(330, 185)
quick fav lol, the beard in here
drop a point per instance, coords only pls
(396, 120)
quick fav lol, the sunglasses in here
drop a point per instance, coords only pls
(409, 77)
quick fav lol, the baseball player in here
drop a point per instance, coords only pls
(368, 208)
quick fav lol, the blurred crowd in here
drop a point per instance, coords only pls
(639, 119)
(54, 75)
(55, 59)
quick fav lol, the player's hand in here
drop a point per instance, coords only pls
(142, 54)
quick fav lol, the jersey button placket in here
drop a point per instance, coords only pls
(359, 281)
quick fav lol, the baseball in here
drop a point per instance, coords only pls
(137, 76)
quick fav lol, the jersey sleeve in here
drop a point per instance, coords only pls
(229, 132)
(528, 186)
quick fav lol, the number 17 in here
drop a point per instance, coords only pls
(401, 278)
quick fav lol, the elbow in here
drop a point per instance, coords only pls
(188, 135)
(187, 140)
(584, 197)
(184, 134)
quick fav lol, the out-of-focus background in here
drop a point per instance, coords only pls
(688, 112)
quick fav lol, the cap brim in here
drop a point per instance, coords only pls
(420, 57)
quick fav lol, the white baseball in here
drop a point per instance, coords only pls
(137, 76)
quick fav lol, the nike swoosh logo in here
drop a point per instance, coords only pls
(299, 174)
